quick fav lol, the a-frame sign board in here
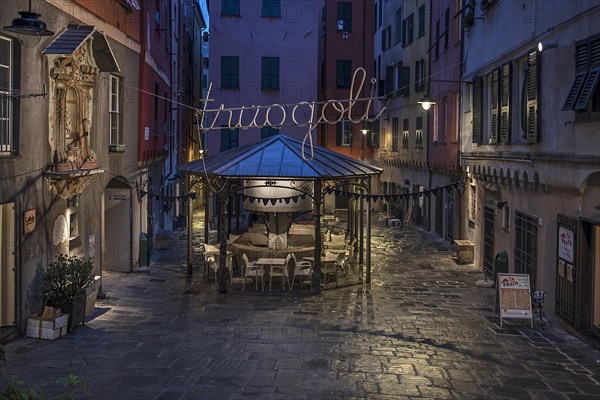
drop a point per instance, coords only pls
(514, 297)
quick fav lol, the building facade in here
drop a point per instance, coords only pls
(530, 145)
(402, 62)
(90, 135)
(64, 141)
(262, 53)
(444, 83)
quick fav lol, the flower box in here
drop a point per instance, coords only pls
(47, 328)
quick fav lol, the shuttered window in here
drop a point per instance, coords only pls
(477, 109)
(230, 138)
(389, 79)
(587, 75)
(404, 80)
(395, 133)
(271, 8)
(494, 80)
(230, 7)
(532, 97)
(505, 103)
(343, 73)
(270, 73)
(230, 72)
(344, 16)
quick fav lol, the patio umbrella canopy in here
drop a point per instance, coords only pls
(280, 157)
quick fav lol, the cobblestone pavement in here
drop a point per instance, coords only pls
(422, 330)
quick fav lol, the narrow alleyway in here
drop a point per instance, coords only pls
(423, 330)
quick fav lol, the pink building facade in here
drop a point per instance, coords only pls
(261, 53)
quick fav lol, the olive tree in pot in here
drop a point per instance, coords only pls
(64, 286)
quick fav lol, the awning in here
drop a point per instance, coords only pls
(75, 35)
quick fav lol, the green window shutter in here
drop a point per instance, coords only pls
(230, 78)
(405, 81)
(338, 133)
(224, 138)
(389, 79)
(477, 109)
(532, 97)
(234, 138)
(575, 90)
(271, 8)
(494, 118)
(505, 103)
(587, 89)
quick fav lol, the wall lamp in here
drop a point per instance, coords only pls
(29, 24)
(543, 46)
(426, 102)
(501, 204)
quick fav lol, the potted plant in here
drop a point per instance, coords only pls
(64, 286)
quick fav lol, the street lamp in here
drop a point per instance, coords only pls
(426, 102)
(29, 24)
(364, 132)
(543, 46)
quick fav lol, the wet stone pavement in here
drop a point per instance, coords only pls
(422, 330)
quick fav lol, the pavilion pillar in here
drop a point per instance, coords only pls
(361, 222)
(368, 261)
(316, 274)
(222, 271)
(190, 225)
(206, 215)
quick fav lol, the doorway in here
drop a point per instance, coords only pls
(488, 242)
(117, 212)
(7, 265)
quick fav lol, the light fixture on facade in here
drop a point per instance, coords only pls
(364, 131)
(543, 46)
(426, 102)
(29, 24)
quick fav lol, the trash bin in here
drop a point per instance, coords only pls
(500, 264)
(144, 249)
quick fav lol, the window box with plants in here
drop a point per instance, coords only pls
(66, 284)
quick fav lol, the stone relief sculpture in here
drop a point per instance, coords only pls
(73, 78)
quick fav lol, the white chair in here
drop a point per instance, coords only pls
(212, 263)
(253, 270)
(301, 268)
(282, 271)
(341, 264)
(329, 267)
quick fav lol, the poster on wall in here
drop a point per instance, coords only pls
(565, 244)
(29, 221)
(514, 296)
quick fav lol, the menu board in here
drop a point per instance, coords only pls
(514, 296)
